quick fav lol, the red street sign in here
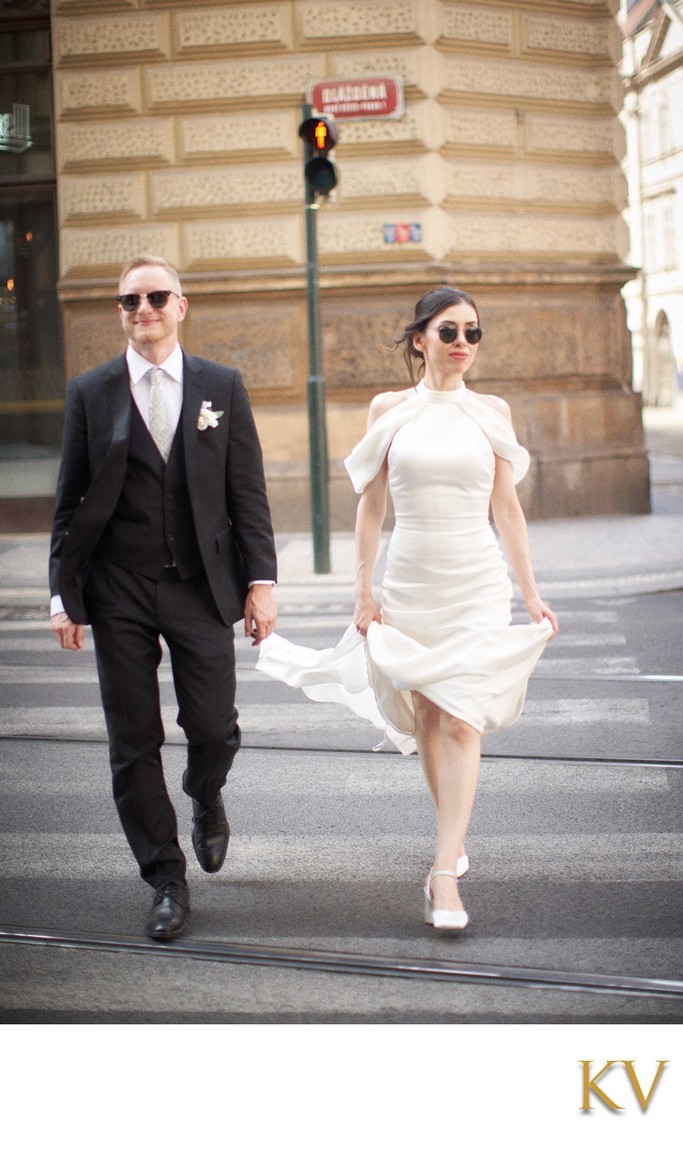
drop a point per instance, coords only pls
(372, 98)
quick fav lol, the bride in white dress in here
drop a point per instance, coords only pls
(439, 663)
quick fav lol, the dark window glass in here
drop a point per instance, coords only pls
(31, 376)
(25, 125)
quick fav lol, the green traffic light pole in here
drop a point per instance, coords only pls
(317, 420)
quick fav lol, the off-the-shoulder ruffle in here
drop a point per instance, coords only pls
(368, 455)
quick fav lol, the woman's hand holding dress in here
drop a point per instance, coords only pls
(366, 612)
(539, 610)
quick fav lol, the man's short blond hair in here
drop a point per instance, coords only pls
(147, 261)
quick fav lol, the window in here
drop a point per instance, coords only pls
(664, 125)
(31, 375)
(660, 235)
(668, 233)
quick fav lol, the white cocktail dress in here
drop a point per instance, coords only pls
(446, 628)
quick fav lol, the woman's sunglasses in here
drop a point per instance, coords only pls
(448, 333)
(157, 299)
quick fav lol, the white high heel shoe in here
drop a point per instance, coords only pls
(462, 866)
(443, 919)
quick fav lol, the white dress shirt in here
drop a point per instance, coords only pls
(172, 384)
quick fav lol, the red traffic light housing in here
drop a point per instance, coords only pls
(319, 136)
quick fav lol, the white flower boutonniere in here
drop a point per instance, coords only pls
(207, 417)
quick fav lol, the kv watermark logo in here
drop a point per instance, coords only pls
(591, 1089)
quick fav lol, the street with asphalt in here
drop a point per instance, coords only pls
(576, 843)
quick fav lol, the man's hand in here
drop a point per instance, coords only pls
(260, 613)
(69, 635)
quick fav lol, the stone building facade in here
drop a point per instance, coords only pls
(176, 129)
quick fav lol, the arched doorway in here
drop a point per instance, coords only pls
(663, 380)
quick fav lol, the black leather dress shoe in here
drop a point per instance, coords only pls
(210, 835)
(170, 908)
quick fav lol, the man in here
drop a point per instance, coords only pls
(162, 528)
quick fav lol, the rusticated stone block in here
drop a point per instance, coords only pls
(547, 34)
(602, 485)
(231, 136)
(357, 344)
(419, 128)
(588, 454)
(92, 334)
(347, 237)
(106, 35)
(104, 90)
(212, 189)
(541, 238)
(592, 7)
(104, 250)
(509, 80)
(419, 181)
(469, 130)
(265, 242)
(481, 26)
(589, 418)
(571, 336)
(545, 135)
(532, 184)
(111, 195)
(422, 69)
(278, 78)
(265, 26)
(231, 332)
(348, 20)
(116, 143)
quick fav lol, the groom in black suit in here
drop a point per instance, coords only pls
(162, 528)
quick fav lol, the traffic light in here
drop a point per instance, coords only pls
(319, 136)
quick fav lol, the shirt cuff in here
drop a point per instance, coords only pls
(56, 605)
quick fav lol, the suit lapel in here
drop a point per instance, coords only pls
(120, 404)
(105, 486)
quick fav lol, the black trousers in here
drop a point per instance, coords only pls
(129, 613)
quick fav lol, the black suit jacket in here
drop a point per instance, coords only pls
(224, 467)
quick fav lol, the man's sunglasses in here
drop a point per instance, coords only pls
(448, 333)
(157, 299)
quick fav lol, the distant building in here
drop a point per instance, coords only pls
(653, 118)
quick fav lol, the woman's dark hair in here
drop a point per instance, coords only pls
(426, 308)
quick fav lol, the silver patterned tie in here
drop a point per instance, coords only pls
(160, 425)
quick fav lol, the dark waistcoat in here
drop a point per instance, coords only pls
(152, 526)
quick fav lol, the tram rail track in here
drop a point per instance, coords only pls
(309, 960)
(293, 748)
(341, 962)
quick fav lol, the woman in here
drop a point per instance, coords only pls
(439, 663)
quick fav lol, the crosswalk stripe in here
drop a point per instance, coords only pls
(301, 716)
(590, 639)
(247, 673)
(301, 612)
(582, 711)
(609, 665)
(39, 645)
